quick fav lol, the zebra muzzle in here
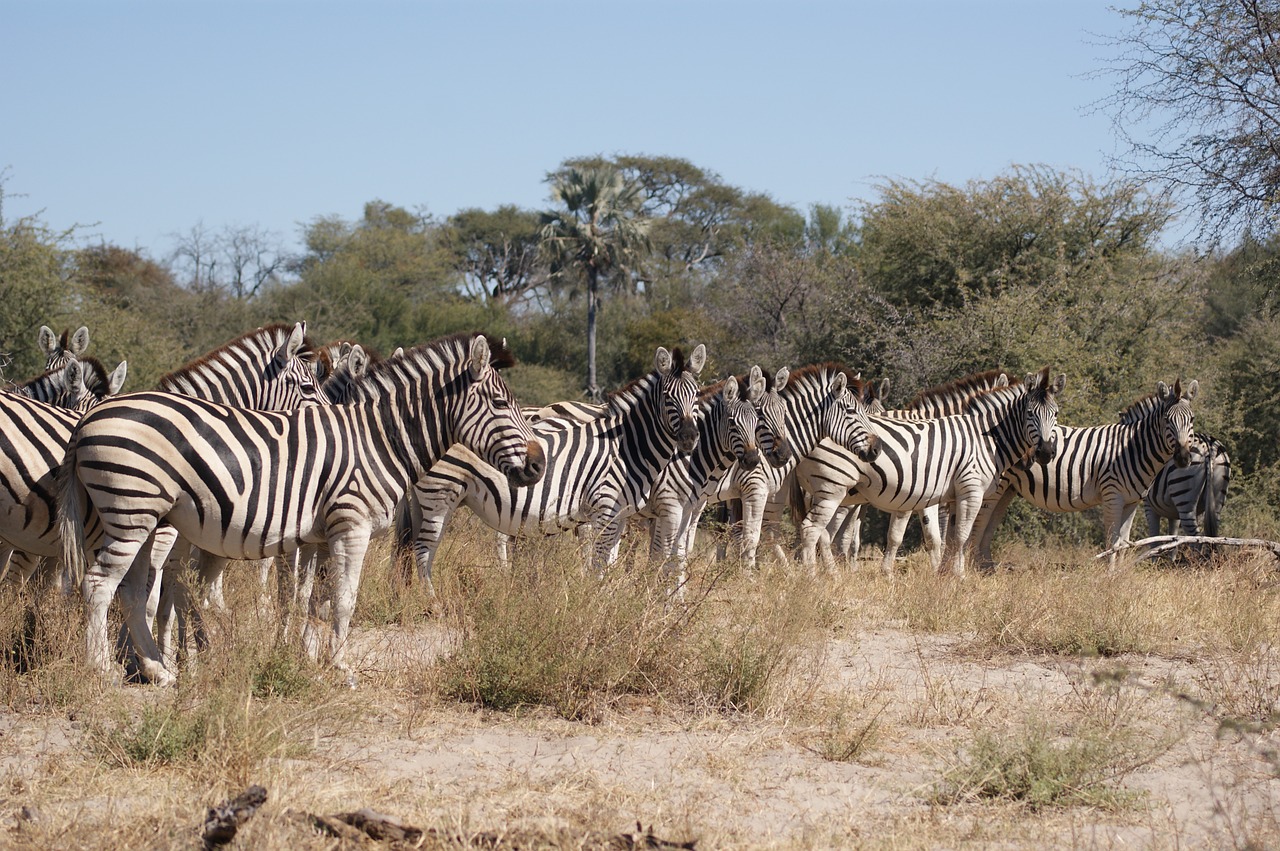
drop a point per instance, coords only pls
(871, 451)
(535, 464)
(1182, 456)
(781, 453)
(750, 458)
(687, 436)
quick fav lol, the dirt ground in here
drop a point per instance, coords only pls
(764, 780)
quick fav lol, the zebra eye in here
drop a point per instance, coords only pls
(501, 403)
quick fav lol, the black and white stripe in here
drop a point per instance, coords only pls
(1192, 496)
(61, 350)
(1109, 465)
(924, 462)
(77, 385)
(598, 471)
(250, 484)
(822, 402)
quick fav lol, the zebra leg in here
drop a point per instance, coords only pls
(1153, 519)
(931, 525)
(893, 542)
(113, 562)
(812, 527)
(959, 531)
(847, 539)
(1117, 517)
(436, 506)
(346, 561)
(993, 510)
(753, 503)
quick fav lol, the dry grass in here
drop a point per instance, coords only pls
(538, 707)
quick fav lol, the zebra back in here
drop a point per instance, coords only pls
(270, 369)
(61, 350)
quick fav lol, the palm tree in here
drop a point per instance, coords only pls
(598, 232)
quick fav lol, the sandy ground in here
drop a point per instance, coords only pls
(733, 781)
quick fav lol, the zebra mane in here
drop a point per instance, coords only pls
(961, 388)
(706, 394)
(1140, 409)
(802, 374)
(267, 337)
(435, 356)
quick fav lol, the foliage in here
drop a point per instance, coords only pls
(1196, 87)
(35, 274)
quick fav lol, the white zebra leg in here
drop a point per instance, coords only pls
(1113, 522)
(846, 539)
(346, 561)
(504, 551)
(110, 566)
(753, 507)
(931, 526)
(993, 510)
(1153, 519)
(893, 542)
(811, 529)
(959, 530)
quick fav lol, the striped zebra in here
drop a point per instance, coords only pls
(77, 385)
(34, 429)
(251, 484)
(61, 350)
(730, 424)
(924, 462)
(803, 396)
(941, 401)
(598, 471)
(1109, 465)
(1191, 496)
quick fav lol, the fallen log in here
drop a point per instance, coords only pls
(1165, 543)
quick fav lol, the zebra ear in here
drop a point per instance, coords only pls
(398, 352)
(1162, 390)
(48, 341)
(293, 345)
(756, 387)
(1002, 380)
(116, 380)
(1192, 389)
(698, 359)
(884, 390)
(780, 380)
(73, 377)
(359, 361)
(79, 341)
(662, 361)
(730, 391)
(1059, 384)
(479, 357)
(838, 384)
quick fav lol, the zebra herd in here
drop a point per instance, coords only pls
(271, 447)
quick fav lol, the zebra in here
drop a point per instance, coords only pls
(76, 385)
(61, 350)
(598, 471)
(943, 400)
(249, 484)
(1192, 496)
(924, 462)
(34, 429)
(1109, 465)
(804, 394)
(729, 430)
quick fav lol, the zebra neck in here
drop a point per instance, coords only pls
(713, 453)
(645, 444)
(806, 403)
(1001, 414)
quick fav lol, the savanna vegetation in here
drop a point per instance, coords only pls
(1057, 703)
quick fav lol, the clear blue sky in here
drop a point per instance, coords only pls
(141, 119)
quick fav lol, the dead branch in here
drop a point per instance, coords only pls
(1165, 543)
(222, 821)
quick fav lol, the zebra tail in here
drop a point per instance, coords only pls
(797, 503)
(1210, 496)
(71, 501)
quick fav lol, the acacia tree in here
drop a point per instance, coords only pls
(597, 234)
(1198, 106)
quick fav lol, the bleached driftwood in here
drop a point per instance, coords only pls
(1165, 543)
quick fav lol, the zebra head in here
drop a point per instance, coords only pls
(1178, 419)
(678, 380)
(343, 372)
(736, 428)
(59, 351)
(1040, 423)
(845, 419)
(773, 435)
(290, 377)
(86, 383)
(490, 422)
